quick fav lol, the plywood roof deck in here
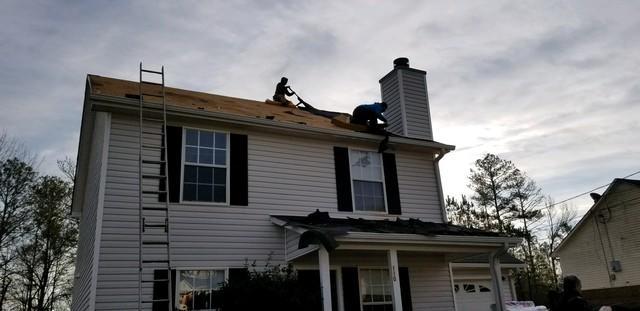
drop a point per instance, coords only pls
(210, 102)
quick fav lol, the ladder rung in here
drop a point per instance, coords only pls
(151, 71)
(154, 191)
(154, 176)
(154, 208)
(152, 147)
(155, 225)
(153, 95)
(153, 120)
(154, 243)
(155, 281)
(155, 300)
(155, 261)
(152, 83)
(154, 161)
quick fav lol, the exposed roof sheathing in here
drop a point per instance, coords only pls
(210, 102)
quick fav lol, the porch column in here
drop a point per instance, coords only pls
(394, 275)
(325, 277)
(496, 278)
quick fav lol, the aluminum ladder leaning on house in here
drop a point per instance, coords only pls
(154, 249)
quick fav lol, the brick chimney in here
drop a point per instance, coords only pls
(405, 91)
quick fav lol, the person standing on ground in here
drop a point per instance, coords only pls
(572, 299)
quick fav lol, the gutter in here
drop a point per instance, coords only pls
(119, 104)
(436, 165)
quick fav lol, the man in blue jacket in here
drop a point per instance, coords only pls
(369, 114)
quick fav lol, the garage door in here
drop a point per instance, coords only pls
(473, 295)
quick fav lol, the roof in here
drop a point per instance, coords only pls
(609, 189)
(320, 226)
(106, 86)
(505, 258)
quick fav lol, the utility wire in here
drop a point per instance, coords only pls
(587, 192)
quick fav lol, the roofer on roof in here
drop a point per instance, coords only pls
(281, 90)
(369, 114)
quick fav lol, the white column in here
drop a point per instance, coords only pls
(496, 278)
(325, 277)
(394, 275)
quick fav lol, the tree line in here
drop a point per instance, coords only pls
(37, 236)
(506, 200)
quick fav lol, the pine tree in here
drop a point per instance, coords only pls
(491, 182)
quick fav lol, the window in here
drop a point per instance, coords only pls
(483, 289)
(375, 289)
(196, 288)
(469, 288)
(205, 171)
(368, 186)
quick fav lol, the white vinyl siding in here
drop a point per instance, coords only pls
(287, 176)
(405, 91)
(85, 269)
(587, 254)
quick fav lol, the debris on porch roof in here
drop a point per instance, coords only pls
(320, 226)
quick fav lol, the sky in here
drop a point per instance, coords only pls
(553, 86)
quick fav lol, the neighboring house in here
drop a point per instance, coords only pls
(603, 249)
(252, 181)
(472, 280)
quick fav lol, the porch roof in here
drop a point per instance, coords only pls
(319, 227)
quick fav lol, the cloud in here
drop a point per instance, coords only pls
(550, 86)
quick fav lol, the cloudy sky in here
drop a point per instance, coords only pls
(552, 86)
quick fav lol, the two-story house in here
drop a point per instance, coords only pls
(603, 249)
(175, 198)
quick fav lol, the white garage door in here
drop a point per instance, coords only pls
(473, 295)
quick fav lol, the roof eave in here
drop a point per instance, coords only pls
(586, 215)
(82, 158)
(111, 103)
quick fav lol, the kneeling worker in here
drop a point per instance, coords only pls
(281, 90)
(369, 114)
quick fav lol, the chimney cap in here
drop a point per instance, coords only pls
(401, 62)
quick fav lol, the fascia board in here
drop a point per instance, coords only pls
(394, 238)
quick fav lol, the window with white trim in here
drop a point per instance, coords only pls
(205, 167)
(375, 289)
(196, 288)
(367, 181)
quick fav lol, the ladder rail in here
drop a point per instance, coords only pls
(140, 204)
(163, 179)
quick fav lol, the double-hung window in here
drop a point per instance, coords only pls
(376, 290)
(205, 169)
(196, 288)
(368, 181)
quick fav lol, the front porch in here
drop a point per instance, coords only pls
(368, 270)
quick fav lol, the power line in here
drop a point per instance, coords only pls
(587, 192)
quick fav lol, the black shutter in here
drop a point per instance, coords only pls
(405, 289)
(391, 183)
(238, 166)
(343, 179)
(174, 161)
(160, 289)
(350, 289)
